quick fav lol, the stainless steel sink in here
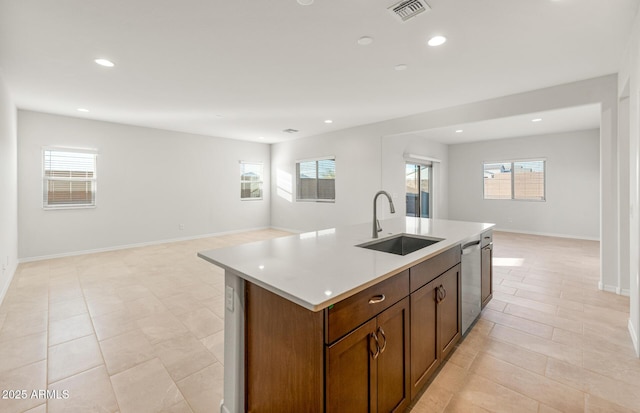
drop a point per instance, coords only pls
(401, 244)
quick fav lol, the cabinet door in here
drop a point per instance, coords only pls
(449, 311)
(393, 362)
(424, 327)
(351, 376)
(487, 274)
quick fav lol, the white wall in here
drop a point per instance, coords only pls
(8, 189)
(360, 187)
(393, 170)
(149, 182)
(357, 153)
(629, 85)
(572, 206)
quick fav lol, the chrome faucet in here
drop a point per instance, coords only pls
(376, 224)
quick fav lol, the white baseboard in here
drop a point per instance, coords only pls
(293, 231)
(634, 338)
(546, 234)
(5, 288)
(613, 289)
(141, 244)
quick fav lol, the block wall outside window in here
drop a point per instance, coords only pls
(519, 180)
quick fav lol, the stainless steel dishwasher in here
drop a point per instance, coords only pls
(471, 282)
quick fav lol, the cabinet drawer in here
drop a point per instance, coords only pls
(426, 271)
(349, 313)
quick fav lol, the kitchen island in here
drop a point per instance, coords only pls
(313, 322)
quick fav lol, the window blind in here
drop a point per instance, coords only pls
(69, 178)
(316, 180)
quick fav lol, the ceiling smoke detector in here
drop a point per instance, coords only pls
(408, 9)
(291, 130)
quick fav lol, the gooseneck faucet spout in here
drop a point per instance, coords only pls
(376, 224)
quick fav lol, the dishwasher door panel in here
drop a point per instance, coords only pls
(471, 282)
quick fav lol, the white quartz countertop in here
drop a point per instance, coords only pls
(319, 268)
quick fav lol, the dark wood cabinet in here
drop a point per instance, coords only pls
(368, 369)
(486, 274)
(352, 371)
(435, 325)
(284, 350)
(372, 352)
(424, 326)
(449, 311)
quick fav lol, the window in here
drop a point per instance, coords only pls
(69, 178)
(316, 180)
(250, 181)
(522, 180)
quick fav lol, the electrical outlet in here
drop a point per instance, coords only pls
(181, 227)
(228, 297)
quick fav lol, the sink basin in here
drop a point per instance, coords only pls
(401, 244)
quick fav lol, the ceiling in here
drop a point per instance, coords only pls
(250, 69)
(532, 124)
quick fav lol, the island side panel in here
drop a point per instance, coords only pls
(284, 354)
(234, 344)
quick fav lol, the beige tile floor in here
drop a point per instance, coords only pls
(141, 330)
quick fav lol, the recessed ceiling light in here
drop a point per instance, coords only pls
(365, 40)
(328, 121)
(437, 41)
(459, 131)
(261, 137)
(82, 110)
(105, 62)
(304, 2)
(400, 67)
(536, 120)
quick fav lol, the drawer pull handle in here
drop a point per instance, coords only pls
(377, 299)
(384, 344)
(377, 353)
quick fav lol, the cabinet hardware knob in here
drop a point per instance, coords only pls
(384, 344)
(377, 353)
(441, 293)
(377, 299)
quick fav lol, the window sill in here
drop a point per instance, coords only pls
(56, 208)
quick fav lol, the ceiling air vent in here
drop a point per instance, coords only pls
(408, 9)
(290, 130)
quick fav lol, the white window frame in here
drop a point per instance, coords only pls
(513, 180)
(260, 181)
(316, 160)
(46, 179)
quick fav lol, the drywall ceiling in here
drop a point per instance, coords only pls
(249, 69)
(533, 124)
